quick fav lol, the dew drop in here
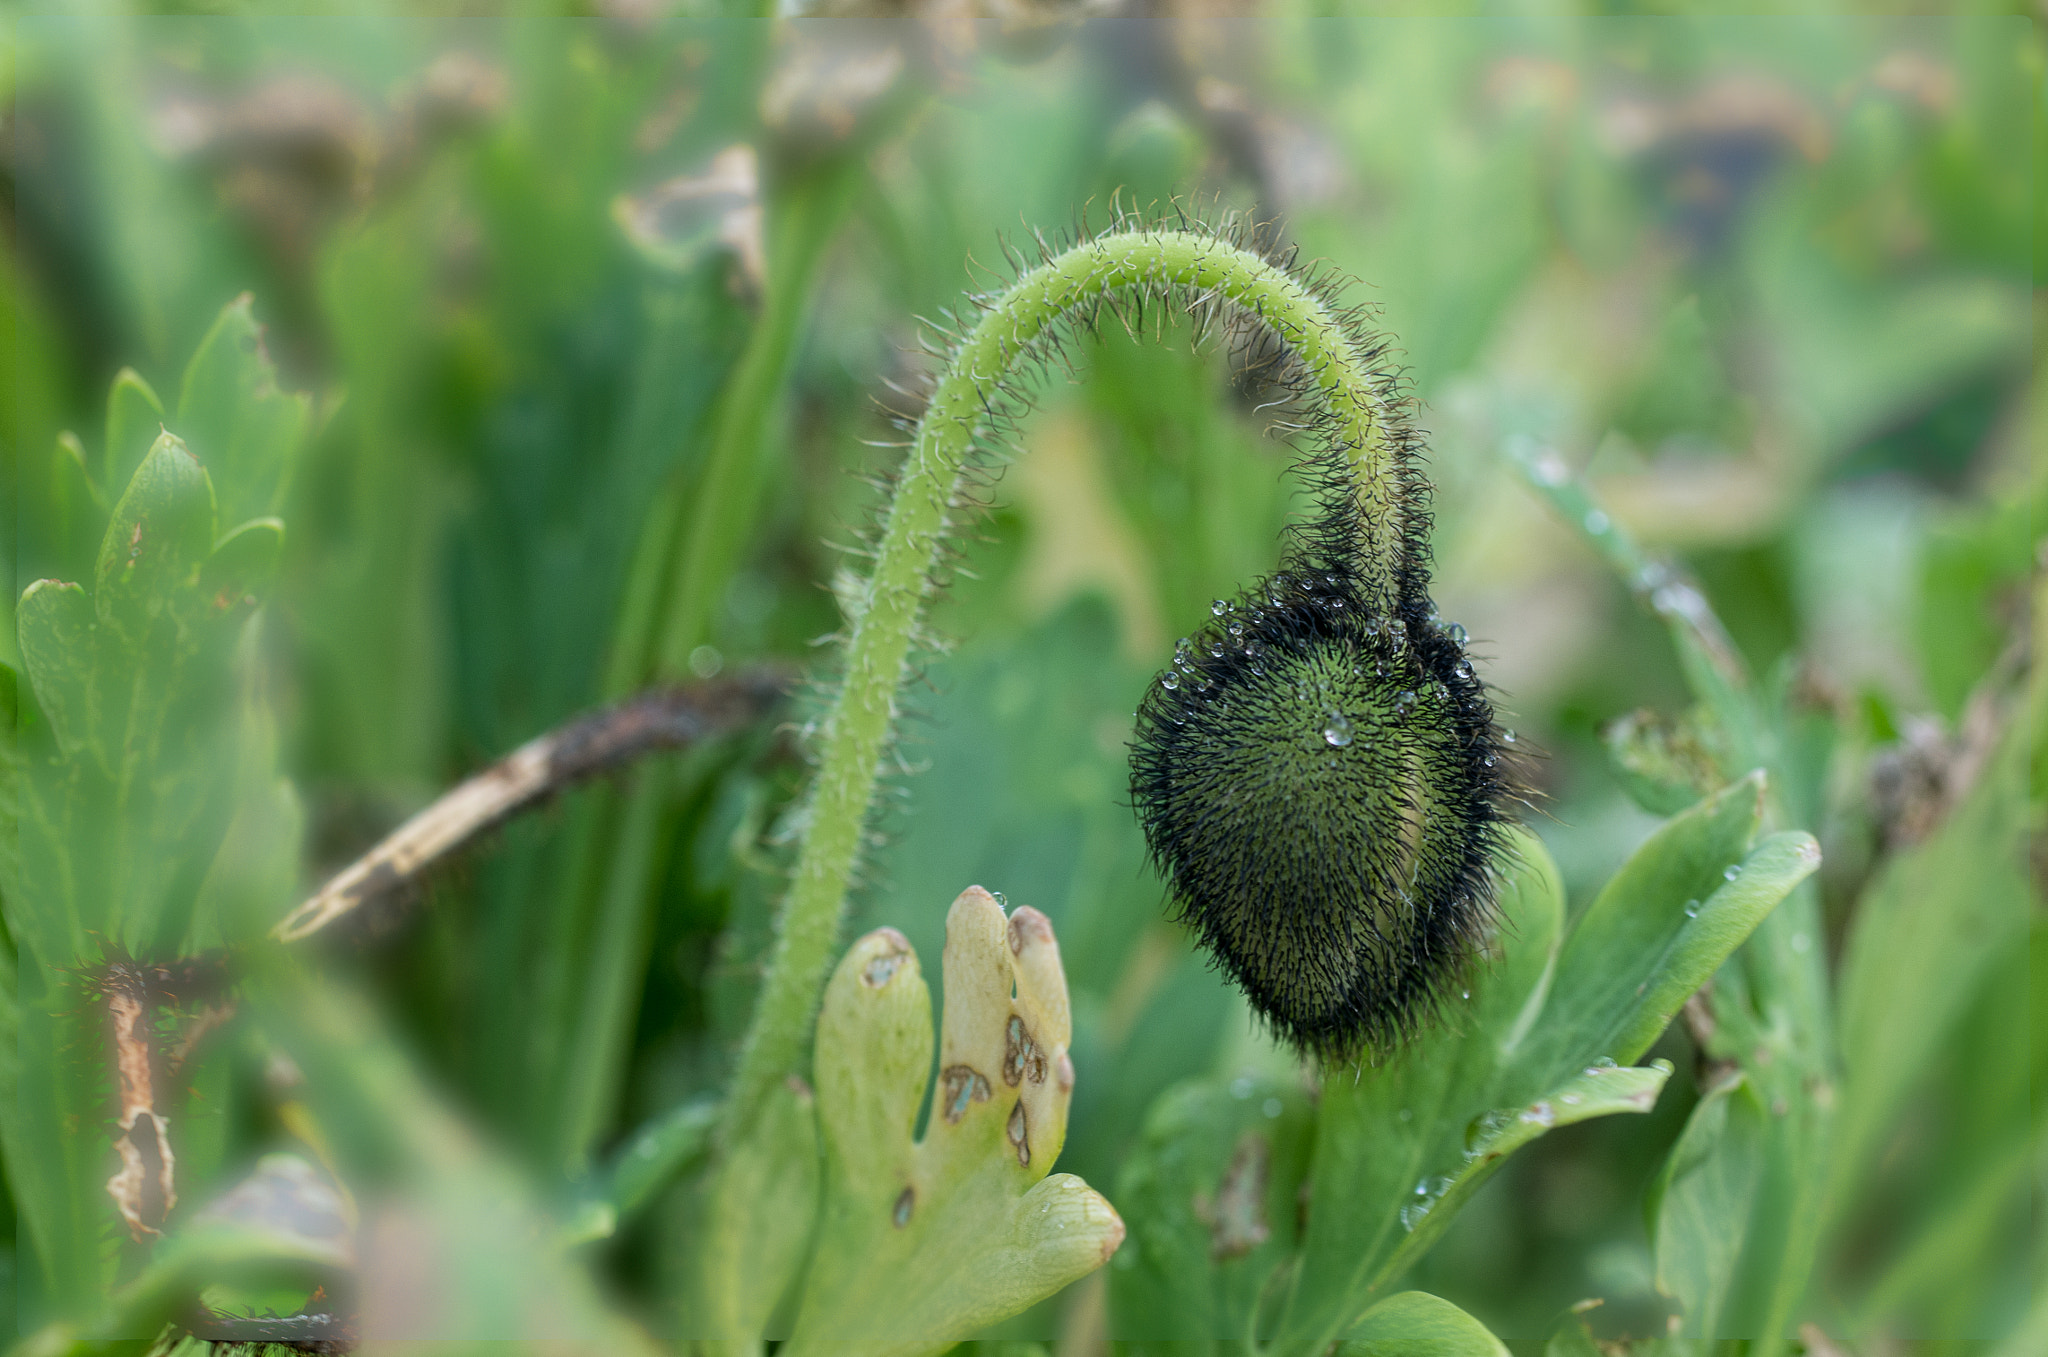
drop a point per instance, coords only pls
(1337, 730)
(1271, 1107)
(1236, 628)
(1169, 680)
(1507, 737)
(1462, 669)
(1596, 522)
(1403, 704)
(1219, 607)
(1215, 650)
(1456, 633)
(1734, 870)
(1692, 909)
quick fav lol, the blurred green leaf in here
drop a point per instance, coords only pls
(54, 622)
(456, 1253)
(1666, 766)
(1700, 1200)
(1572, 1339)
(1972, 568)
(78, 508)
(757, 1222)
(649, 1160)
(134, 419)
(161, 530)
(1416, 1324)
(233, 416)
(1936, 918)
(149, 832)
(242, 564)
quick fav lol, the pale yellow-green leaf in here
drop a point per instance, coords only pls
(923, 1242)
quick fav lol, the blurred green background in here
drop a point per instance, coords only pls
(599, 311)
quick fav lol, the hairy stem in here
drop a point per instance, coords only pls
(1143, 267)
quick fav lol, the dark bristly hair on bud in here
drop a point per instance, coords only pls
(1318, 771)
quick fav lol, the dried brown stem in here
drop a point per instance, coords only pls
(666, 718)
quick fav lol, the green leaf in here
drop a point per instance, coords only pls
(1702, 1201)
(459, 1250)
(1386, 1132)
(161, 530)
(1666, 766)
(759, 1213)
(1936, 918)
(923, 1242)
(77, 507)
(1401, 1148)
(134, 419)
(54, 625)
(1417, 1324)
(242, 565)
(1572, 1339)
(652, 1158)
(1632, 956)
(1212, 1195)
(235, 418)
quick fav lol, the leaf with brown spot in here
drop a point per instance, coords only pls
(924, 1242)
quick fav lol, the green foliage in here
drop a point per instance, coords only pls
(134, 759)
(922, 1242)
(1396, 1151)
(1744, 305)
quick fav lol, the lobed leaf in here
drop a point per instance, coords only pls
(922, 1242)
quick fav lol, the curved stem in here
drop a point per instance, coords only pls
(1190, 267)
